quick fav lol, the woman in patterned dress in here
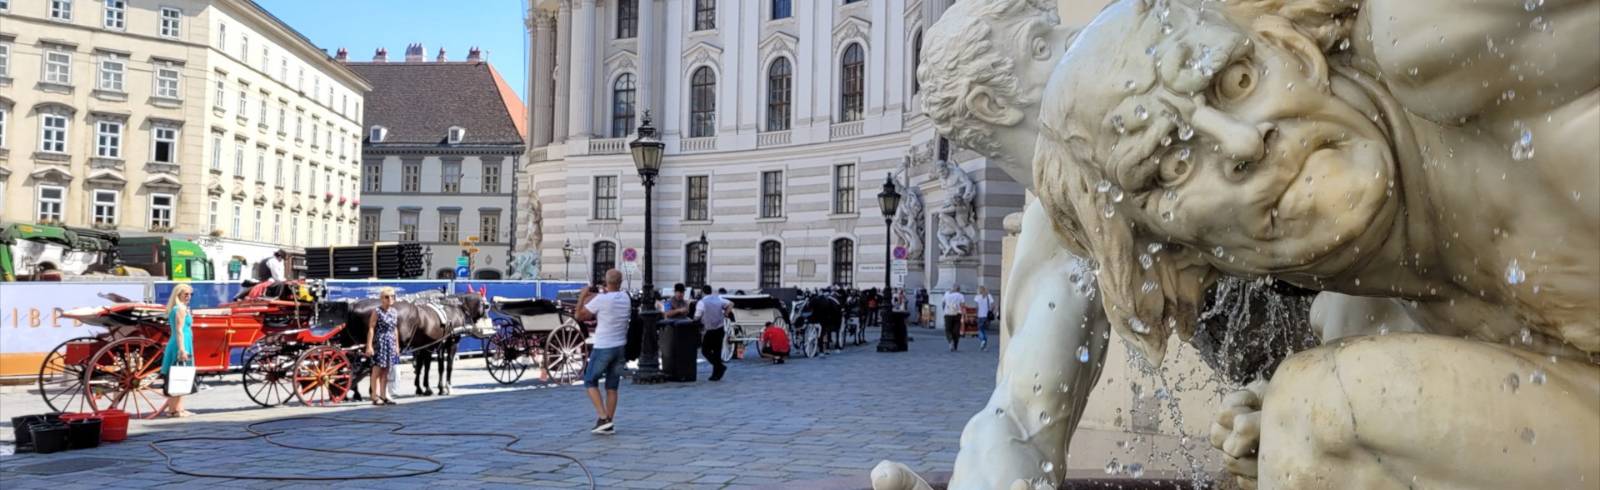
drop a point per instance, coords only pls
(383, 345)
(180, 344)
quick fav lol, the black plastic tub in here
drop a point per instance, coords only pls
(21, 428)
(50, 437)
(83, 434)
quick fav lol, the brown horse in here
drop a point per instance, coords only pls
(429, 327)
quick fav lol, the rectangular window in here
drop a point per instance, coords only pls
(294, 229)
(261, 164)
(213, 216)
(372, 177)
(705, 14)
(108, 139)
(489, 227)
(277, 224)
(299, 123)
(53, 133)
(222, 92)
(61, 10)
(161, 211)
(113, 72)
(171, 22)
(216, 151)
(256, 235)
(244, 47)
(277, 173)
(116, 14)
(104, 210)
(266, 58)
(5, 60)
(4, 114)
(164, 144)
(451, 178)
(58, 67)
(244, 100)
(772, 194)
(491, 178)
(369, 227)
(449, 227)
(261, 113)
(781, 9)
(283, 116)
(411, 177)
(52, 200)
(408, 226)
(605, 197)
(167, 83)
(697, 203)
(627, 19)
(238, 217)
(844, 188)
(296, 182)
(238, 159)
(222, 37)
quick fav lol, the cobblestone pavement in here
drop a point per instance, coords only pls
(810, 423)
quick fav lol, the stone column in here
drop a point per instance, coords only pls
(647, 61)
(558, 125)
(580, 107)
(544, 34)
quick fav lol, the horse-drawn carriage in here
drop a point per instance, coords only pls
(752, 312)
(535, 332)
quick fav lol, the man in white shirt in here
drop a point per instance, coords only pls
(275, 265)
(712, 313)
(953, 300)
(611, 311)
(985, 303)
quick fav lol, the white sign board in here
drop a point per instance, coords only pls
(630, 269)
(30, 314)
(897, 279)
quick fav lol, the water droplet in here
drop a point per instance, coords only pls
(1146, 261)
(1523, 148)
(1412, 71)
(1083, 354)
(1537, 377)
(1531, 5)
(1383, 329)
(1110, 211)
(1526, 336)
(1046, 466)
(1037, 388)
(1515, 274)
(1166, 141)
(1162, 394)
(1185, 131)
(1052, 305)
(1166, 215)
(1138, 326)
(1290, 86)
(1528, 436)
(999, 411)
(1147, 287)
(1183, 154)
(1509, 95)
(1166, 29)
(1140, 112)
(1113, 467)
(1218, 251)
(1344, 44)
(1128, 85)
(1117, 124)
(1154, 247)
(1116, 195)
(1103, 186)
(1135, 470)
(1539, 24)
(1513, 382)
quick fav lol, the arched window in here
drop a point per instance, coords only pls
(771, 264)
(622, 97)
(844, 262)
(605, 258)
(851, 81)
(694, 268)
(780, 76)
(703, 103)
(916, 61)
(444, 274)
(487, 274)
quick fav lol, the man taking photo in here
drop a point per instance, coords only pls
(611, 311)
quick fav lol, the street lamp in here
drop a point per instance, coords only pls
(566, 252)
(647, 149)
(891, 332)
(701, 254)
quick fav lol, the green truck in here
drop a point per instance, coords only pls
(178, 260)
(39, 252)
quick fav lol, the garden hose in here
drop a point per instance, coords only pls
(395, 430)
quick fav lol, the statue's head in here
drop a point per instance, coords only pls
(1180, 142)
(984, 67)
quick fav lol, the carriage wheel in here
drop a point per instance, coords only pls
(729, 344)
(123, 374)
(61, 377)
(564, 355)
(502, 355)
(268, 376)
(322, 376)
(811, 344)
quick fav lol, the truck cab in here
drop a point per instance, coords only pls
(178, 260)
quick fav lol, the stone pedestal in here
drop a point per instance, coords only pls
(962, 271)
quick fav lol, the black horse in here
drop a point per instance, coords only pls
(429, 327)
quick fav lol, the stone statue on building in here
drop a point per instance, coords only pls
(958, 217)
(908, 222)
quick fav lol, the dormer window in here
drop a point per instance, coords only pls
(378, 134)
(456, 134)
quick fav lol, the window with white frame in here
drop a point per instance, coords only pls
(697, 198)
(705, 14)
(408, 226)
(108, 139)
(261, 164)
(238, 218)
(53, 133)
(261, 113)
(52, 199)
(171, 22)
(167, 85)
(58, 67)
(161, 206)
(294, 229)
(222, 37)
(277, 226)
(213, 215)
(772, 194)
(5, 59)
(456, 134)
(5, 116)
(491, 178)
(266, 58)
(277, 173)
(244, 100)
(104, 209)
(238, 159)
(489, 226)
(451, 178)
(5, 5)
(164, 144)
(410, 176)
(244, 47)
(116, 14)
(296, 182)
(113, 73)
(216, 151)
(283, 70)
(844, 188)
(256, 234)
(369, 227)
(377, 134)
(372, 177)
(299, 123)
(222, 91)
(449, 226)
(605, 197)
(61, 10)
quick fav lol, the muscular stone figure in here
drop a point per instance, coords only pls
(1372, 151)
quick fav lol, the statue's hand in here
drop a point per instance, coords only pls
(889, 475)
(1237, 432)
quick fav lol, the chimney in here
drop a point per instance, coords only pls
(414, 53)
(474, 54)
(380, 56)
(441, 58)
(342, 56)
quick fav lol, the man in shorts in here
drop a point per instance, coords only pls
(611, 311)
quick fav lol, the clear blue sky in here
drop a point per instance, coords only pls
(364, 25)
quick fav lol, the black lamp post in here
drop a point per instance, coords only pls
(705, 248)
(647, 149)
(891, 333)
(566, 253)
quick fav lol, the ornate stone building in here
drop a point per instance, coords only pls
(781, 120)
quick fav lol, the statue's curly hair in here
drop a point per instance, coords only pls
(961, 55)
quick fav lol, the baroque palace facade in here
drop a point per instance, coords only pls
(782, 119)
(184, 117)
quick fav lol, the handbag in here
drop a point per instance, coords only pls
(180, 380)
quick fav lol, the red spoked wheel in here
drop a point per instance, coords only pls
(123, 375)
(61, 374)
(322, 376)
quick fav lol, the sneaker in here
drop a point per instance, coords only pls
(983, 346)
(603, 426)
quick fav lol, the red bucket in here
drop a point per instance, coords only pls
(113, 425)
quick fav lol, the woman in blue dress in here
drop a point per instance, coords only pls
(180, 343)
(383, 345)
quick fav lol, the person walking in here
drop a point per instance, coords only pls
(953, 301)
(985, 312)
(610, 310)
(713, 312)
(180, 344)
(383, 345)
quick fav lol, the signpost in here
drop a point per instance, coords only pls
(899, 268)
(630, 264)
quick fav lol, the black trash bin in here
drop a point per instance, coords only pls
(680, 344)
(893, 336)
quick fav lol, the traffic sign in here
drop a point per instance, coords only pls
(463, 261)
(462, 272)
(900, 252)
(630, 254)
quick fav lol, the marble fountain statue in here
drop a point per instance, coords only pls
(1435, 177)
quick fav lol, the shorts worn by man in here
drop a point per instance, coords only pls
(611, 311)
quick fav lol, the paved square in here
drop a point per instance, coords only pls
(809, 423)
